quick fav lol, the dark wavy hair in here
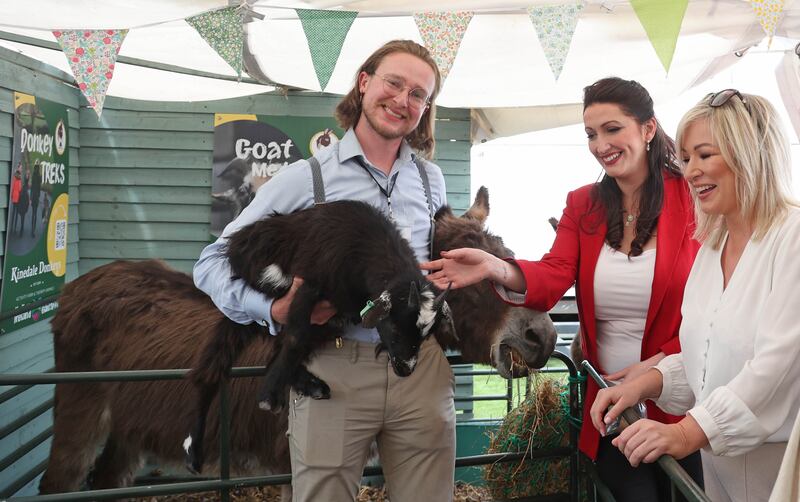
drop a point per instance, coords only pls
(635, 101)
(348, 110)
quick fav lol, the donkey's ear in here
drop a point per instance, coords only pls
(480, 207)
(376, 310)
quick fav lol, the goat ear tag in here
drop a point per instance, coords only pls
(375, 310)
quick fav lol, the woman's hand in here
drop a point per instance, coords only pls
(646, 440)
(461, 267)
(321, 314)
(624, 395)
(636, 369)
(619, 397)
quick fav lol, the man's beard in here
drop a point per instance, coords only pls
(377, 126)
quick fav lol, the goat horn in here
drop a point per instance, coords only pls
(439, 301)
(413, 295)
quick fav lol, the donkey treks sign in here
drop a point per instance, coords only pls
(35, 259)
(250, 149)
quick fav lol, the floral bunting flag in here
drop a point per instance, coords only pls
(325, 32)
(769, 13)
(442, 33)
(92, 55)
(222, 30)
(555, 26)
(662, 22)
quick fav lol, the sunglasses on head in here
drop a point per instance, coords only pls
(720, 98)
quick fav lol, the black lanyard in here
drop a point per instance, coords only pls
(390, 184)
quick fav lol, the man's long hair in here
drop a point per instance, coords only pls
(349, 109)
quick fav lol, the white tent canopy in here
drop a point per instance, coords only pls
(500, 70)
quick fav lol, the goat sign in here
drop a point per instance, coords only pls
(250, 149)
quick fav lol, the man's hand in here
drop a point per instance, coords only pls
(321, 314)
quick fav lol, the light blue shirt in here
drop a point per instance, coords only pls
(346, 175)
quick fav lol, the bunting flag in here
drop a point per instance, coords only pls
(555, 26)
(222, 30)
(662, 22)
(442, 33)
(769, 13)
(325, 32)
(92, 55)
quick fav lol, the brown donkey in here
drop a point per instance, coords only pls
(143, 315)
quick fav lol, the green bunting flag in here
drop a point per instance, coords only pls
(222, 30)
(662, 22)
(325, 32)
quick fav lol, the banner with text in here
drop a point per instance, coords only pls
(250, 149)
(35, 260)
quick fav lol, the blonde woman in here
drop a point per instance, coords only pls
(736, 377)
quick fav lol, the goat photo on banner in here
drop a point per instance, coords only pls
(250, 149)
(35, 259)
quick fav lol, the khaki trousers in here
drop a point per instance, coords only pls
(412, 419)
(743, 478)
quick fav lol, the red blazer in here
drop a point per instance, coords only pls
(573, 258)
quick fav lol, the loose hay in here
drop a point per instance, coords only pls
(463, 493)
(540, 421)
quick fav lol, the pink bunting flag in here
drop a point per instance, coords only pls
(442, 33)
(92, 55)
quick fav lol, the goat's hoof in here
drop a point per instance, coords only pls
(317, 389)
(271, 402)
(191, 467)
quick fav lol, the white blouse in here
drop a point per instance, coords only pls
(739, 371)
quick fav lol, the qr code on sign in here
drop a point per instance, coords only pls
(61, 235)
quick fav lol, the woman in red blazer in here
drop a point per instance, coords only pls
(640, 211)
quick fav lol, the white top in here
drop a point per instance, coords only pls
(622, 288)
(787, 486)
(739, 372)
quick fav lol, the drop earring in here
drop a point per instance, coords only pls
(648, 146)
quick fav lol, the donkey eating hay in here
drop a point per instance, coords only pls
(143, 315)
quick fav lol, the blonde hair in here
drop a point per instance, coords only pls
(752, 142)
(348, 110)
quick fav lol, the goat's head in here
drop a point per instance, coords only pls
(513, 340)
(406, 313)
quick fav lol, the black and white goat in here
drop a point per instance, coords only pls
(348, 253)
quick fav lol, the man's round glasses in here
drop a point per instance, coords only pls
(720, 98)
(394, 86)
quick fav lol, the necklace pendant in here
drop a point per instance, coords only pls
(629, 219)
